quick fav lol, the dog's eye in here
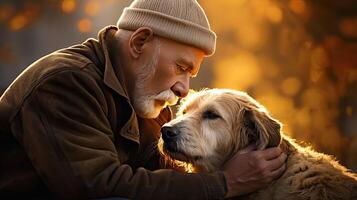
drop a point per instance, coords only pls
(209, 114)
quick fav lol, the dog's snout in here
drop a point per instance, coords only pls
(169, 133)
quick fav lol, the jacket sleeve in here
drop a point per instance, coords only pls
(64, 129)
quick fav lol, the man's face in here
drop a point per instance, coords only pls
(163, 75)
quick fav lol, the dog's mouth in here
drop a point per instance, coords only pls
(176, 153)
(182, 156)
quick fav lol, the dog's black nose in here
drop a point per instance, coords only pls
(169, 133)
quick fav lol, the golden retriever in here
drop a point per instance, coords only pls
(212, 125)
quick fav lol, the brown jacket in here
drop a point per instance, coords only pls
(68, 130)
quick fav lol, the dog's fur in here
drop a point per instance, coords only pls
(214, 124)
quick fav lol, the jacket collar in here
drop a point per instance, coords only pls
(131, 128)
(110, 78)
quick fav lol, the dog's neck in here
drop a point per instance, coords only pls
(287, 145)
(214, 164)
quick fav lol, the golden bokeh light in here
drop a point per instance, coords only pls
(274, 14)
(251, 36)
(84, 25)
(18, 22)
(271, 69)
(92, 8)
(259, 7)
(262, 89)
(226, 21)
(239, 72)
(313, 98)
(319, 58)
(24, 18)
(299, 7)
(303, 117)
(68, 6)
(348, 27)
(291, 86)
(332, 42)
(281, 107)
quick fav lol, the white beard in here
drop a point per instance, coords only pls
(145, 105)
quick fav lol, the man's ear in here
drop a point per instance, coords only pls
(264, 129)
(138, 39)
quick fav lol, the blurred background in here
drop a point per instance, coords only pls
(296, 57)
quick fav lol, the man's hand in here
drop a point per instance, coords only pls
(251, 170)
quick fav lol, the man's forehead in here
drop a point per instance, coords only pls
(182, 47)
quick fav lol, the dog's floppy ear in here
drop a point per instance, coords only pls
(264, 130)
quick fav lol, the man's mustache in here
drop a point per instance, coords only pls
(168, 96)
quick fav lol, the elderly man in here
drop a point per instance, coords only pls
(83, 122)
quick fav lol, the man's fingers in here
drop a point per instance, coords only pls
(278, 172)
(276, 163)
(247, 149)
(272, 153)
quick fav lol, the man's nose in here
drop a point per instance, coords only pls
(181, 88)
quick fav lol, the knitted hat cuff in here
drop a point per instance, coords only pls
(169, 27)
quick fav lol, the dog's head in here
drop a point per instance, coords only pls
(212, 125)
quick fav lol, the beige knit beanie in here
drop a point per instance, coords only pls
(180, 20)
